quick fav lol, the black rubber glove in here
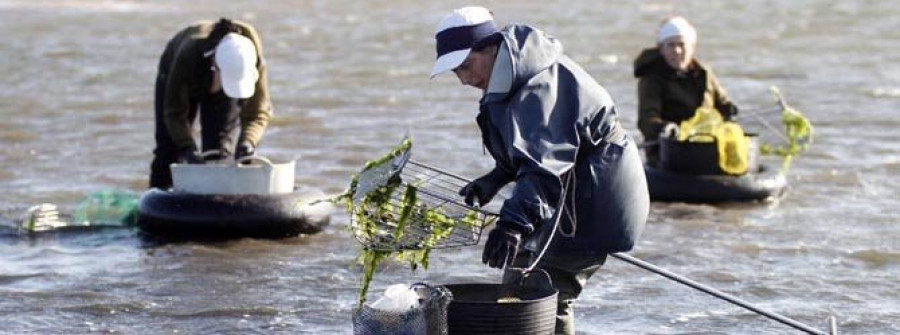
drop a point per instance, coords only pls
(244, 149)
(501, 247)
(730, 112)
(484, 188)
(190, 156)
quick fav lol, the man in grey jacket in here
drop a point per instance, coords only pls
(552, 129)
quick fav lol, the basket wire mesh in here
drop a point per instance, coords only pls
(423, 209)
(769, 127)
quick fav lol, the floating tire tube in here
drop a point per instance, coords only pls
(179, 214)
(766, 183)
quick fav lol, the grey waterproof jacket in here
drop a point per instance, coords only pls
(544, 118)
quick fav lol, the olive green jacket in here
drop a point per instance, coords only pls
(187, 64)
(667, 96)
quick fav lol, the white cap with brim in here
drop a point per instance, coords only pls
(457, 33)
(449, 61)
(677, 26)
(236, 60)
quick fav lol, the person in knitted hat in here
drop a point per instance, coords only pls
(216, 69)
(580, 190)
(673, 84)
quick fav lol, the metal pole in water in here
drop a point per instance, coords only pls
(723, 295)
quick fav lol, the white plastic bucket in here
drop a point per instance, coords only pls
(260, 176)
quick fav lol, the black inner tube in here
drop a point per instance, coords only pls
(213, 216)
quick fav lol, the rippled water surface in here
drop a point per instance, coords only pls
(348, 78)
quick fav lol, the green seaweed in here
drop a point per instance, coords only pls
(374, 212)
(798, 130)
(409, 199)
(369, 260)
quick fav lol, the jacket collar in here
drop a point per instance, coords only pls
(501, 76)
(523, 53)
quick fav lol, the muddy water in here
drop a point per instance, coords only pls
(349, 78)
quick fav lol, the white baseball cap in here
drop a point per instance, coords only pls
(236, 60)
(677, 26)
(456, 34)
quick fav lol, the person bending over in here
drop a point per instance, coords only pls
(215, 69)
(552, 129)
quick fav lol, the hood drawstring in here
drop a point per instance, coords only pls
(561, 208)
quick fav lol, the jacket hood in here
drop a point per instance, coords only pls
(530, 51)
(650, 60)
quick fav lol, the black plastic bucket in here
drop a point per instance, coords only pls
(700, 158)
(529, 308)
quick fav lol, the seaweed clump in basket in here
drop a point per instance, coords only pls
(390, 219)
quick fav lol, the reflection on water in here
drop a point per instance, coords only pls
(348, 79)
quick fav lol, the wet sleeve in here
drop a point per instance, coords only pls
(256, 110)
(176, 104)
(542, 146)
(650, 104)
(722, 102)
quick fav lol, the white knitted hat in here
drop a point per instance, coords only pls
(677, 26)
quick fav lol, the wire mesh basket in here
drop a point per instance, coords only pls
(778, 126)
(418, 208)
